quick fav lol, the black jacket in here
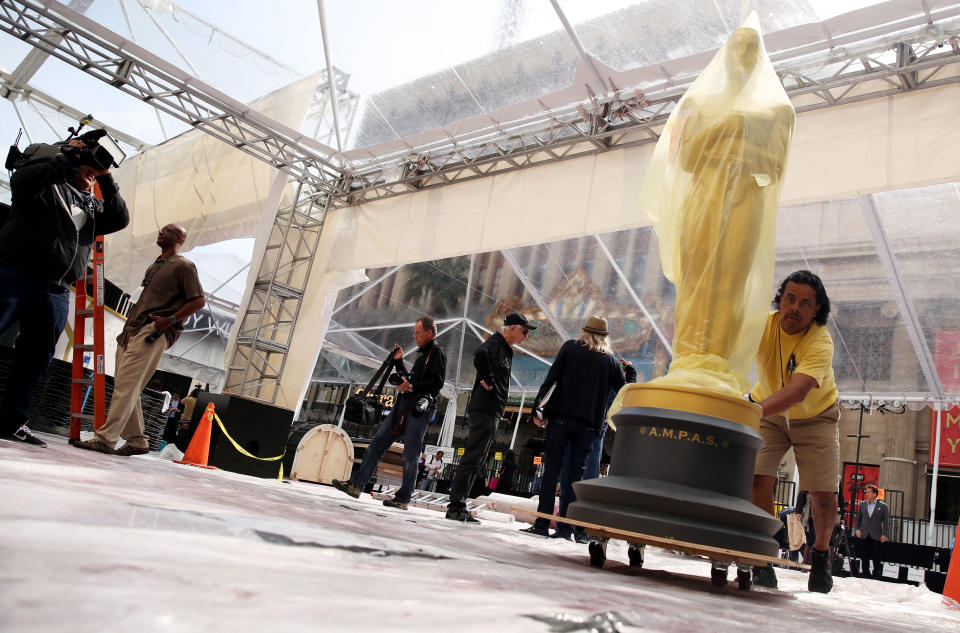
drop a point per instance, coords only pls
(429, 370)
(581, 381)
(493, 360)
(40, 238)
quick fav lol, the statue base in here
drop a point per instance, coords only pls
(682, 468)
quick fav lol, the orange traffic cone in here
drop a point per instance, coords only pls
(951, 588)
(199, 450)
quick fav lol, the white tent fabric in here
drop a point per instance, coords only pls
(880, 145)
(197, 354)
(215, 191)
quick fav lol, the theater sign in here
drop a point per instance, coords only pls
(949, 437)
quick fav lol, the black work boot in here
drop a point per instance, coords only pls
(764, 576)
(457, 511)
(347, 487)
(820, 579)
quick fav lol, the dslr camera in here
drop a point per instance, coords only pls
(423, 404)
(424, 400)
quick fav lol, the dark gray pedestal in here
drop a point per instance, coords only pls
(680, 475)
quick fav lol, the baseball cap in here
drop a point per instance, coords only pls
(518, 319)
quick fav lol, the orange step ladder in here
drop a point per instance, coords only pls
(83, 310)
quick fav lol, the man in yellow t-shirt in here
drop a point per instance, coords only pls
(798, 395)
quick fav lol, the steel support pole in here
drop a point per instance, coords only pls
(537, 297)
(331, 79)
(513, 440)
(463, 329)
(343, 407)
(931, 532)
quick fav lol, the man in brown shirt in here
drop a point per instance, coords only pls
(171, 293)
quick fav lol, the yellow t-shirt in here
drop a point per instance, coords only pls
(813, 356)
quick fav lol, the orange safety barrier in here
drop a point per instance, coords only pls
(198, 452)
(951, 588)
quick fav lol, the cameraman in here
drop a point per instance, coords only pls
(416, 404)
(45, 245)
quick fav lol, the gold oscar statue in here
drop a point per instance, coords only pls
(686, 444)
(711, 193)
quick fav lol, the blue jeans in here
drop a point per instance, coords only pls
(563, 434)
(41, 310)
(414, 429)
(590, 471)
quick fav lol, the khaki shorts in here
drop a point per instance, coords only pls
(815, 442)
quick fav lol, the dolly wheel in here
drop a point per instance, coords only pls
(718, 576)
(743, 579)
(635, 554)
(598, 553)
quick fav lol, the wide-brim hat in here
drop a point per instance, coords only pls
(596, 325)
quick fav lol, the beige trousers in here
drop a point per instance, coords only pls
(136, 362)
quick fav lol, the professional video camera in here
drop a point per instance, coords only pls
(424, 401)
(99, 150)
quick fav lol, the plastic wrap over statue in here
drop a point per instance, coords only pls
(686, 444)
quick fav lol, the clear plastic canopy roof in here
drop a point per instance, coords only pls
(414, 67)
(409, 72)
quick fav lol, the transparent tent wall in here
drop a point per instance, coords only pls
(872, 351)
(617, 275)
(559, 285)
(924, 235)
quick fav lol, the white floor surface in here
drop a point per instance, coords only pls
(91, 542)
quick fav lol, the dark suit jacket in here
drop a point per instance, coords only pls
(874, 526)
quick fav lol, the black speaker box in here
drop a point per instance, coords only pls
(260, 429)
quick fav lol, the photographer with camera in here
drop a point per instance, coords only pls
(45, 246)
(417, 401)
(171, 292)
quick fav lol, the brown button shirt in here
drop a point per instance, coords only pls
(170, 285)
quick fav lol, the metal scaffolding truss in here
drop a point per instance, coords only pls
(42, 101)
(922, 58)
(616, 120)
(320, 120)
(266, 327)
(265, 330)
(82, 43)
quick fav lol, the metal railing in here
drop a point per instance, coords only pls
(915, 531)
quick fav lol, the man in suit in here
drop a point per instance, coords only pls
(873, 527)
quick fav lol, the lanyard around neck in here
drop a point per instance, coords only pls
(159, 264)
(791, 361)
